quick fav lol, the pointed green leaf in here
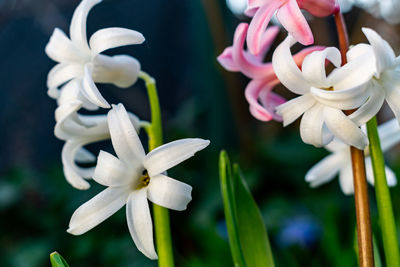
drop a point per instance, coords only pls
(226, 179)
(57, 260)
(252, 233)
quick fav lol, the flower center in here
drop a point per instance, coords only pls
(328, 89)
(144, 180)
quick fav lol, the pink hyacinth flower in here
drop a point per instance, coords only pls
(258, 92)
(289, 15)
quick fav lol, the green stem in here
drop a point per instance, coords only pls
(160, 214)
(385, 210)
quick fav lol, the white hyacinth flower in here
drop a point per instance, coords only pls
(322, 97)
(80, 130)
(134, 177)
(385, 85)
(339, 162)
(81, 64)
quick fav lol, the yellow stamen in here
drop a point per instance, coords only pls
(144, 180)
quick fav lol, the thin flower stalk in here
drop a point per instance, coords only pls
(160, 214)
(384, 203)
(364, 232)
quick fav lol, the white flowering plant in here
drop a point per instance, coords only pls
(338, 94)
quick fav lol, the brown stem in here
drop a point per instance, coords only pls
(364, 233)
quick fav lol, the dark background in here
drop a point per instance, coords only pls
(307, 227)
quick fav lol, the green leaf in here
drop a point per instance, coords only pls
(252, 232)
(57, 260)
(226, 179)
(248, 237)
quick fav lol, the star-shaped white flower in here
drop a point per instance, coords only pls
(385, 85)
(322, 97)
(134, 177)
(339, 162)
(78, 131)
(82, 62)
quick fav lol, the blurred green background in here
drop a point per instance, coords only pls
(307, 227)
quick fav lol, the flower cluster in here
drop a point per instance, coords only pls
(134, 176)
(332, 106)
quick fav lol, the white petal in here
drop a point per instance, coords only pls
(70, 125)
(312, 128)
(69, 92)
(67, 127)
(72, 91)
(90, 90)
(168, 155)
(371, 107)
(113, 37)
(140, 224)
(294, 108)
(361, 50)
(390, 177)
(389, 133)
(110, 171)
(345, 99)
(325, 170)
(120, 70)
(84, 156)
(346, 180)
(98, 209)
(61, 49)
(353, 74)
(53, 92)
(385, 57)
(369, 172)
(124, 138)
(169, 193)
(62, 73)
(286, 69)
(313, 67)
(344, 129)
(77, 29)
(336, 145)
(393, 98)
(74, 174)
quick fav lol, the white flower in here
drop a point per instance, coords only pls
(340, 161)
(385, 85)
(80, 130)
(82, 64)
(322, 97)
(134, 177)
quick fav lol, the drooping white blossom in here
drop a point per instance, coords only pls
(385, 84)
(81, 63)
(339, 162)
(78, 131)
(134, 177)
(322, 97)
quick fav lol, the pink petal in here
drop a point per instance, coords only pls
(253, 5)
(266, 41)
(261, 90)
(299, 57)
(291, 18)
(319, 8)
(259, 23)
(226, 60)
(249, 65)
